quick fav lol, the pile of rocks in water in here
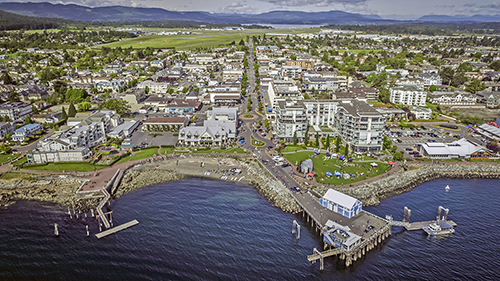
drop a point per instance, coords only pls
(416, 174)
(273, 190)
(46, 188)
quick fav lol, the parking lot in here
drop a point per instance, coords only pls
(147, 139)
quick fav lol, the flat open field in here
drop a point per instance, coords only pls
(207, 39)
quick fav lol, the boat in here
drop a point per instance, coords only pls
(447, 188)
(438, 228)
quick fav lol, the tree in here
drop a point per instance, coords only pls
(4, 149)
(76, 95)
(171, 90)
(64, 115)
(184, 90)
(295, 138)
(34, 109)
(266, 124)
(84, 106)
(495, 65)
(432, 88)
(14, 96)
(71, 110)
(306, 96)
(120, 106)
(242, 43)
(327, 146)
(475, 86)
(6, 79)
(447, 74)
(346, 151)
(146, 89)
(337, 144)
(27, 120)
(317, 139)
(306, 137)
(398, 156)
(493, 146)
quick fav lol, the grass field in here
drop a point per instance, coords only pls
(77, 167)
(332, 165)
(7, 157)
(14, 175)
(207, 39)
(136, 155)
(20, 161)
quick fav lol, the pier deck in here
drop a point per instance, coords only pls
(419, 225)
(116, 229)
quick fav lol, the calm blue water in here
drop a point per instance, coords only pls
(201, 229)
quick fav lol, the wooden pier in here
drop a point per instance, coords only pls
(371, 228)
(116, 229)
(419, 225)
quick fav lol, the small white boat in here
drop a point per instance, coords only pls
(447, 188)
(438, 228)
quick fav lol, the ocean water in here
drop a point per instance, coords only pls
(201, 229)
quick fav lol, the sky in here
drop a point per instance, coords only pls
(391, 9)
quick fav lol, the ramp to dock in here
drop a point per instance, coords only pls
(116, 229)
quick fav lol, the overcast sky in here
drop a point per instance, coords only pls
(397, 9)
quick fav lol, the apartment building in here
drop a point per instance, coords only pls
(16, 110)
(360, 125)
(291, 118)
(408, 95)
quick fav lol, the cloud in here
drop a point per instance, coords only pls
(318, 3)
(237, 8)
(495, 6)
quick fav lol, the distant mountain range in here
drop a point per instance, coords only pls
(460, 18)
(121, 13)
(131, 14)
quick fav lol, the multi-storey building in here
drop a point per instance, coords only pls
(5, 129)
(408, 95)
(291, 72)
(321, 112)
(360, 125)
(291, 118)
(453, 98)
(15, 110)
(212, 133)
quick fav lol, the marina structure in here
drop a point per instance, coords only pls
(348, 231)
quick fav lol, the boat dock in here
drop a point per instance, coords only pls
(116, 229)
(419, 225)
(371, 228)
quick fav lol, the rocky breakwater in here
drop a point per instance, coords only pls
(271, 189)
(403, 181)
(60, 190)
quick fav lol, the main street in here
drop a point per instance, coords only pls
(264, 152)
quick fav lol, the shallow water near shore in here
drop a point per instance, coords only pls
(200, 229)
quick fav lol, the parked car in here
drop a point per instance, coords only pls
(409, 149)
(285, 165)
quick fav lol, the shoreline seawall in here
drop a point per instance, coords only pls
(403, 181)
(164, 169)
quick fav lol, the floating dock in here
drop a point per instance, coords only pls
(419, 225)
(116, 229)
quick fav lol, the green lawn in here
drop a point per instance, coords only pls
(228, 150)
(7, 157)
(332, 165)
(292, 148)
(20, 161)
(136, 155)
(15, 175)
(77, 167)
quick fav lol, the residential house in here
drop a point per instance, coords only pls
(421, 113)
(453, 98)
(26, 131)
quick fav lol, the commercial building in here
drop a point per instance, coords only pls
(461, 149)
(212, 133)
(489, 132)
(341, 203)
